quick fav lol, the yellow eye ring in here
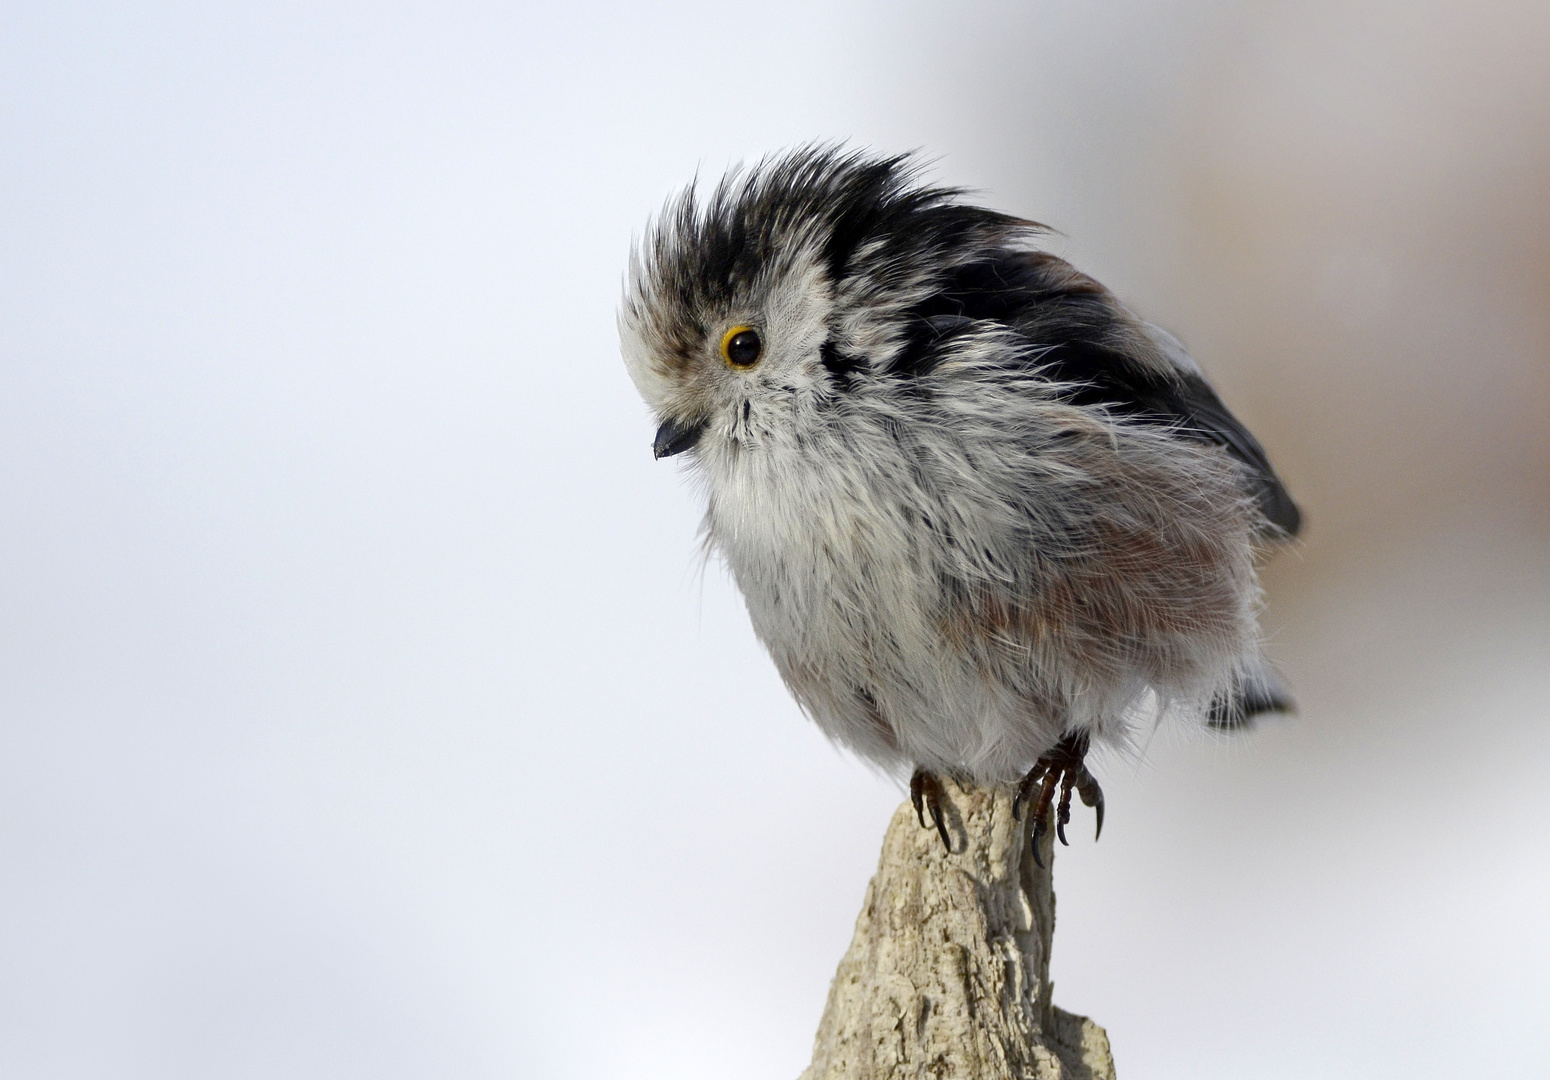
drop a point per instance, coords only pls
(741, 347)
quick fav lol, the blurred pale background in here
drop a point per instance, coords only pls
(364, 713)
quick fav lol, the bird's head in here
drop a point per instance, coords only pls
(808, 270)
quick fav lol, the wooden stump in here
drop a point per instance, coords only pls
(948, 973)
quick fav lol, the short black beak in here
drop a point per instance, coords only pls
(674, 437)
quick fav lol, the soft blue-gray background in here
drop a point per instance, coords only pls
(363, 712)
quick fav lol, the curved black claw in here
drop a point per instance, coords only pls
(1063, 815)
(1063, 768)
(1025, 790)
(1092, 795)
(926, 793)
(1049, 777)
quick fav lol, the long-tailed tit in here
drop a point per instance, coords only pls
(981, 512)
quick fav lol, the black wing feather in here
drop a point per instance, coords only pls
(1082, 336)
(1108, 377)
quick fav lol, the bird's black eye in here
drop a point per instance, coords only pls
(741, 347)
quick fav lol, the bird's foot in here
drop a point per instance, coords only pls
(1063, 767)
(927, 794)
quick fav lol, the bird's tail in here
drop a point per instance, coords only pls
(1257, 689)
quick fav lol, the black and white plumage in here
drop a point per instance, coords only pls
(975, 505)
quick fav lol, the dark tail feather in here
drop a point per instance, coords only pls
(1258, 690)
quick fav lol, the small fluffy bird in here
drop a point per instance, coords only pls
(981, 513)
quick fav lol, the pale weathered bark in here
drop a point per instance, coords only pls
(948, 973)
